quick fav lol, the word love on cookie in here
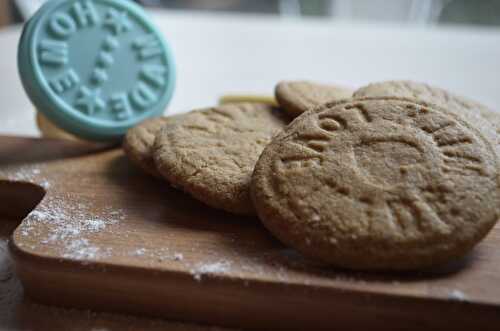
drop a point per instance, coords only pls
(95, 67)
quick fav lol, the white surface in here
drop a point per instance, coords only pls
(28, 7)
(223, 53)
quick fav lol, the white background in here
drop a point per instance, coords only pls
(217, 54)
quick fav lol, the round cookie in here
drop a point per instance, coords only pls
(296, 97)
(139, 142)
(211, 153)
(50, 130)
(421, 91)
(378, 184)
(245, 98)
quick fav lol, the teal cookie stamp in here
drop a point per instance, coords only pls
(95, 67)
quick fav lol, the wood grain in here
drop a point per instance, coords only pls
(19, 314)
(143, 247)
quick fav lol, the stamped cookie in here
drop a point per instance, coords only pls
(380, 184)
(211, 153)
(139, 141)
(50, 130)
(421, 91)
(298, 96)
(245, 98)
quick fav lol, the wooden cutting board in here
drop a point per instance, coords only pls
(103, 235)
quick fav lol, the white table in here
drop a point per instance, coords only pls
(221, 53)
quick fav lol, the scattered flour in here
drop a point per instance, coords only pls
(45, 184)
(70, 225)
(80, 249)
(25, 174)
(29, 174)
(95, 225)
(210, 268)
(73, 226)
(457, 295)
(139, 252)
(158, 254)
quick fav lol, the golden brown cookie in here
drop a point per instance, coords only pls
(295, 97)
(379, 184)
(50, 130)
(421, 91)
(245, 98)
(211, 153)
(139, 141)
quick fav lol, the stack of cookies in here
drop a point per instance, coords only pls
(394, 176)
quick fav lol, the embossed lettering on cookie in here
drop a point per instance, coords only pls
(95, 67)
(379, 183)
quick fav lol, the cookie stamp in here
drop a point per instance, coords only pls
(378, 184)
(95, 67)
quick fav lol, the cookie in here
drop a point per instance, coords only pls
(139, 141)
(244, 98)
(379, 184)
(409, 89)
(211, 153)
(51, 131)
(295, 97)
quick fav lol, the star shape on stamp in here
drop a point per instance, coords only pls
(117, 21)
(89, 101)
